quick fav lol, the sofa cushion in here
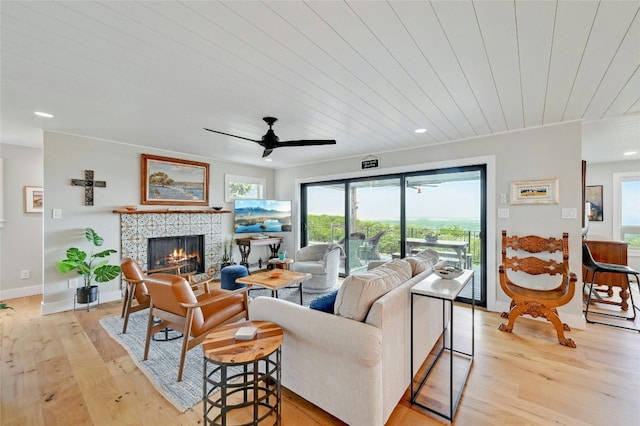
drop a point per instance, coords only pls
(324, 303)
(358, 292)
(422, 261)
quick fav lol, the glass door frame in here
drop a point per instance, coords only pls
(482, 168)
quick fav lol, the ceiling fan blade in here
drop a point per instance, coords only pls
(233, 136)
(307, 142)
(267, 152)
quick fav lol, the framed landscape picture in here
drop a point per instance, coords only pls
(176, 182)
(538, 191)
(33, 199)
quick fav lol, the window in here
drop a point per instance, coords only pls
(243, 187)
(627, 199)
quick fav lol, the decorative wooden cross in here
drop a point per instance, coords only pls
(88, 184)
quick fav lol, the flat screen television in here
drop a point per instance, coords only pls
(260, 216)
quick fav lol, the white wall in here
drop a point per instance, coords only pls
(66, 157)
(602, 174)
(21, 236)
(548, 152)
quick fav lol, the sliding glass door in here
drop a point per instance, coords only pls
(393, 216)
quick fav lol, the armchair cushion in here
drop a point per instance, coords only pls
(358, 292)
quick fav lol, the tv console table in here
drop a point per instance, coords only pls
(245, 244)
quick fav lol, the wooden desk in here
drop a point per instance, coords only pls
(609, 252)
(245, 244)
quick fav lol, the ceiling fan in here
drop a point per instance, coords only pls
(270, 141)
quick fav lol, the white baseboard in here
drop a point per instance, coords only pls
(14, 293)
(67, 305)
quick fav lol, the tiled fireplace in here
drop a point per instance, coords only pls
(136, 228)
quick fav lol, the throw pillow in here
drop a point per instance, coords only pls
(359, 292)
(423, 261)
(324, 303)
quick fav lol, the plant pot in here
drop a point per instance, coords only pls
(86, 295)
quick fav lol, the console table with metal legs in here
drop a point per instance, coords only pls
(446, 290)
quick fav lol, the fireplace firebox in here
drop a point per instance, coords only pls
(186, 251)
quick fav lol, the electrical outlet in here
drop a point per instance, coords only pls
(569, 213)
(73, 283)
(56, 213)
(503, 213)
(24, 274)
(503, 198)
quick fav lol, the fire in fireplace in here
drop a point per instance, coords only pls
(186, 251)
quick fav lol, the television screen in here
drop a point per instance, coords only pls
(259, 216)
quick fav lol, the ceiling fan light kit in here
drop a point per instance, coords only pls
(270, 141)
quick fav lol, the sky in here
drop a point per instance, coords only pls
(446, 200)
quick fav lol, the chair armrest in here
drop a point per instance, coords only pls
(163, 269)
(215, 299)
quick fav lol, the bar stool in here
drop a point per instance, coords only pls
(594, 267)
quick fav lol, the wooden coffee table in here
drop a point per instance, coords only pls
(288, 279)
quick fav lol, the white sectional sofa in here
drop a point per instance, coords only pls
(357, 370)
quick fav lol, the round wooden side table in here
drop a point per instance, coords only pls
(282, 264)
(241, 378)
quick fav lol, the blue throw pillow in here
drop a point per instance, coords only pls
(325, 303)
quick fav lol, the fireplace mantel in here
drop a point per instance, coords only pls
(169, 211)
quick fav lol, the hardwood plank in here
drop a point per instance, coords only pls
(64, 369)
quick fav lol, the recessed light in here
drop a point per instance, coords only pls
(43, 114)
(268, 159)
(630, 153)
(420, 130)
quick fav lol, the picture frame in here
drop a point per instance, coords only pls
(174, 182)
(593, 196)
(33, 199)
(536, 191)
(243, 187)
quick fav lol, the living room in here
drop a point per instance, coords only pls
(55, 156)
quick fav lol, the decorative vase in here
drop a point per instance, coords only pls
(85, 295)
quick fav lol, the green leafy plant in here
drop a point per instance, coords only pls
(5, 306)
(90, 266)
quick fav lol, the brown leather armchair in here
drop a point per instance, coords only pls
(177, 306)
(134, 276)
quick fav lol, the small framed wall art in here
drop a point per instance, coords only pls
(593, 196)
(537, 191)
(176, 182)
(33, 199)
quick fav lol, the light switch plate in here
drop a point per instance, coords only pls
(503, 213)
(569, 213)
(56, 213)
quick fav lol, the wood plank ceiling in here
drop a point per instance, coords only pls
(366, 73)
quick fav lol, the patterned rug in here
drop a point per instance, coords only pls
(162, 365)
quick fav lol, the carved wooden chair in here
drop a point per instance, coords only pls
(175, 304)
(528, 300)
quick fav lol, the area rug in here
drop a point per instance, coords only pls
(161, 367)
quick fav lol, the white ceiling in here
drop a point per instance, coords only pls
(366, 73)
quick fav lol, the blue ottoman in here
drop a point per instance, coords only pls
(229, 274)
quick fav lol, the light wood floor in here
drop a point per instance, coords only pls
(64, 369)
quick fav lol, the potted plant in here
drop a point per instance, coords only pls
(92, 267)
